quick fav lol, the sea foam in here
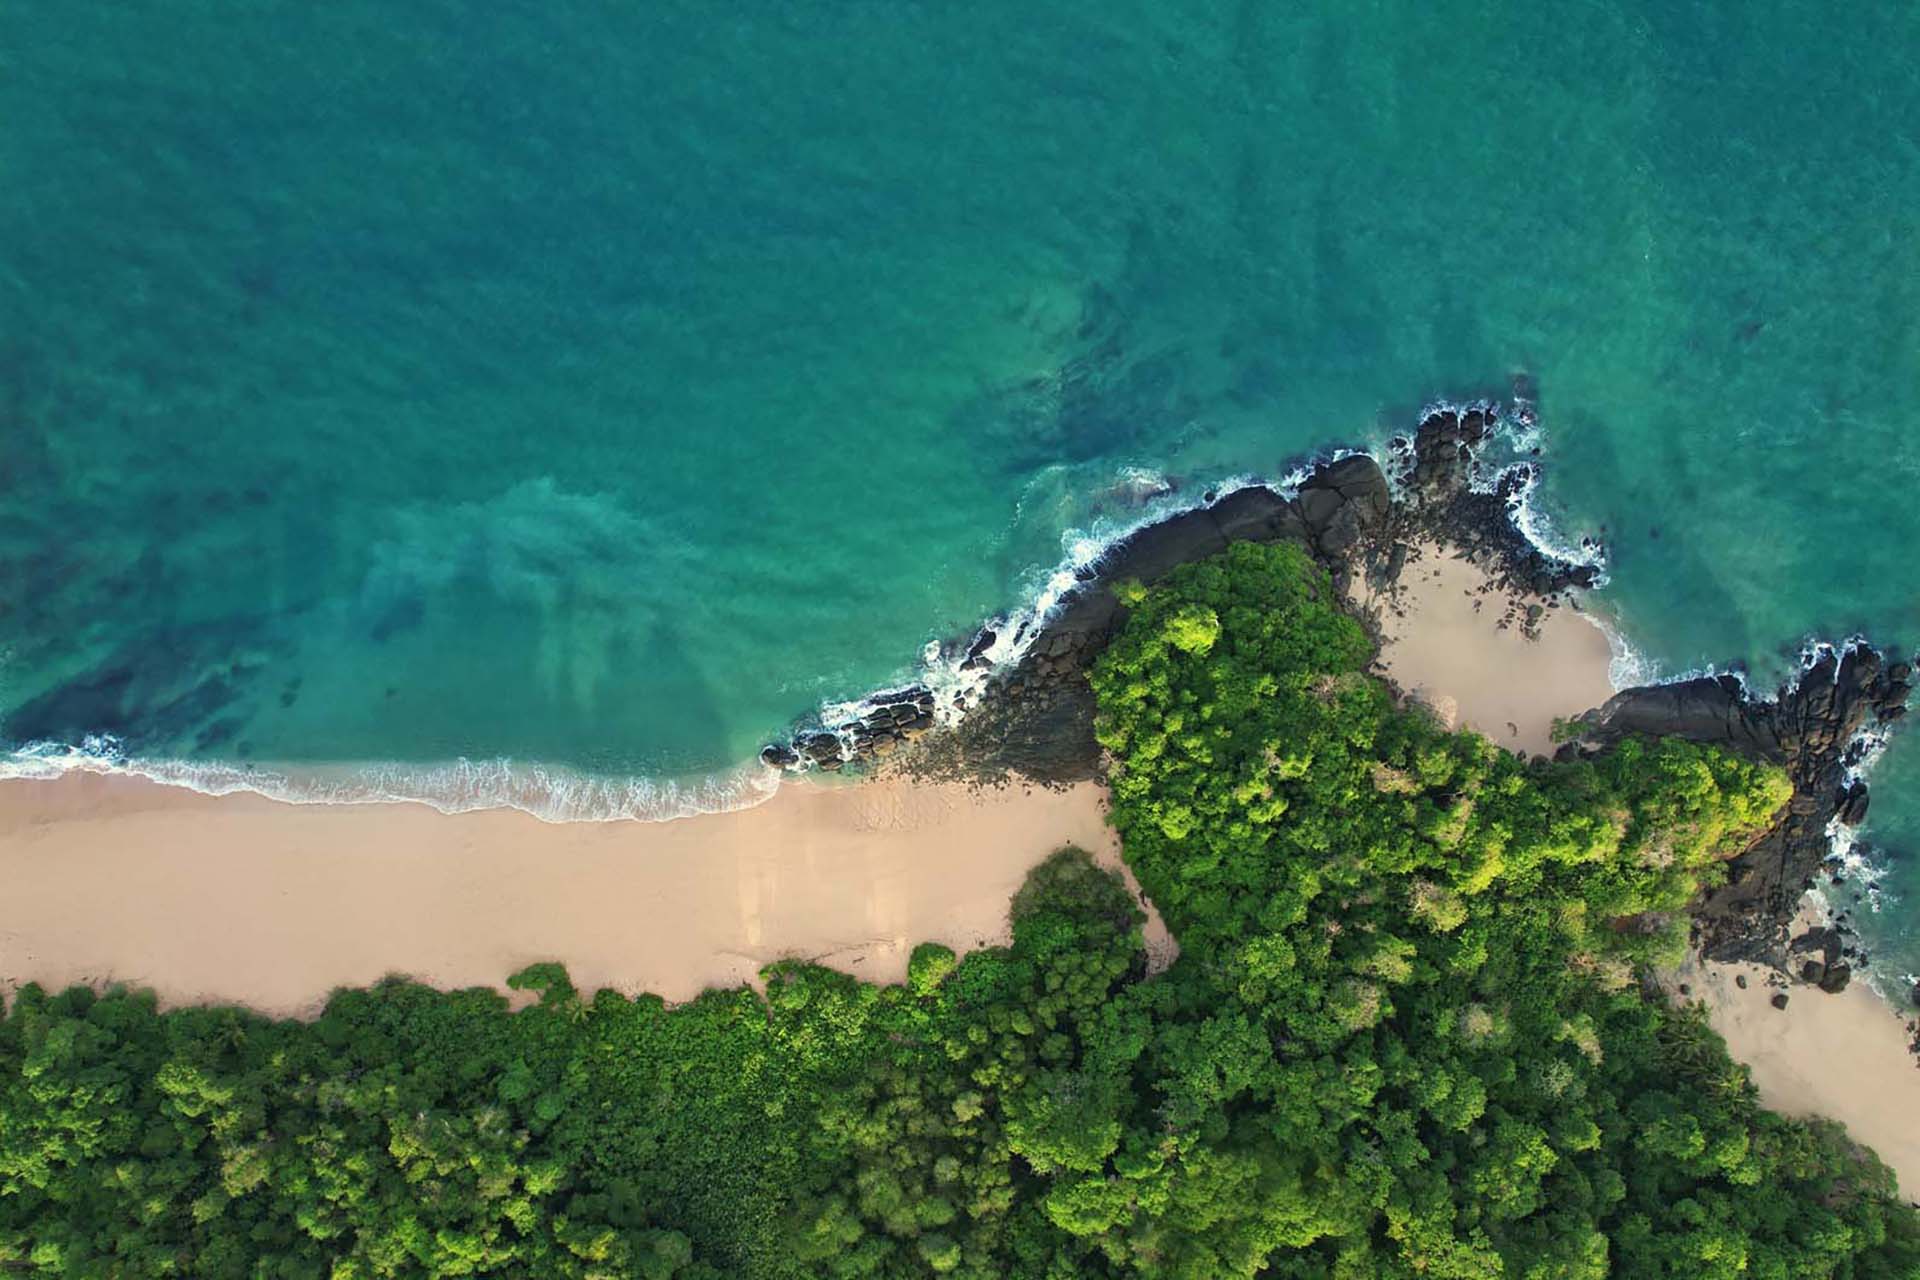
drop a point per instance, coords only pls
(958, 673)
(547, 792)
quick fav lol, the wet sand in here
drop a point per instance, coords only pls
(1441, 644)
(248, 900)
(241, 899)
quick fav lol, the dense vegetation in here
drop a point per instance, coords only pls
(1405, 1037)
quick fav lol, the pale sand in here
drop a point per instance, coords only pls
(1442, 645)
(248, 900)
(1841, 1056)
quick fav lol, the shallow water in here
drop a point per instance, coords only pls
(602, 387)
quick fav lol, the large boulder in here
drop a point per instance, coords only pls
(1344, 502)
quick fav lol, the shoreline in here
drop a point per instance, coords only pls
(462, 904)
(241, 899)
(547, 793)
(1429, 484)
(1511, 673)
(1846, 1056)
(1431, 481)
(1343, 503)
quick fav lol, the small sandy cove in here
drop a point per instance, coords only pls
(1841, 1056)
(1442, 644)
(244, 899)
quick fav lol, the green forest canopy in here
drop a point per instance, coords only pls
(1405, 1037)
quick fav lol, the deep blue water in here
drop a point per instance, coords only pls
(603, 386)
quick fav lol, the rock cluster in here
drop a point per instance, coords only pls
(893, 718)
(1037, 719)
(1449, 499)
(1823, 966)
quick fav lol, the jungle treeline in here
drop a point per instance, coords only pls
(1408, 1034)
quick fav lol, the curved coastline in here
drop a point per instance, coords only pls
(952, 677)
(1427, 484)
(846, 875)
(1437, 482)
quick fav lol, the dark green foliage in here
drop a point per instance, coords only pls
(1406, 999)
(1404, 1038)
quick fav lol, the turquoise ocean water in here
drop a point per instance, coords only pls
(599, 386)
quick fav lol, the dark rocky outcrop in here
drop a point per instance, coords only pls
(1036, 719)
(1823, 941)
(1852, 805)
(1814, 729)
(891, 719)
(1450, 499)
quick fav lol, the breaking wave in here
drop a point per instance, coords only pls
(547, 792)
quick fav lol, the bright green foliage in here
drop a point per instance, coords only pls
(1405, 1011)
(1403, 1039)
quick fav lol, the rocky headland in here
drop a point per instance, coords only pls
(1820, 728)
(1032, 718)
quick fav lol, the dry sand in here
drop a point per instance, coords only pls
(244, 899)
(1841, 1056)
(1442, 644)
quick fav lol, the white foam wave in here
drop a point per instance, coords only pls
(1537, 528)
(547, 792)
(958, 678)
(1518, 431)
(958, 684)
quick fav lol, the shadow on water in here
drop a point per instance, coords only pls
(176, 690)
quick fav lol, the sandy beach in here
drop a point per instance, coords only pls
(244, 899)
(1842, 1056)
(1441, 644)
(249, 900)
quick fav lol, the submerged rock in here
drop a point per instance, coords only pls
(779, 755)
